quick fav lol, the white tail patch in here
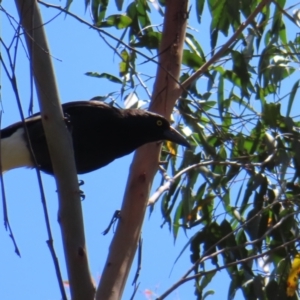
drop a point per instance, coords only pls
(14, 152)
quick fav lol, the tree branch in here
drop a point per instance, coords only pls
(145, 163)
(61, 152)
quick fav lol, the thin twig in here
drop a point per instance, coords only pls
(14, 85)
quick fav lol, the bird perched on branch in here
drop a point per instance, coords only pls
(100, 133)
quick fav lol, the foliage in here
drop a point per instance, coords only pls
(238, 192)
(292, 280)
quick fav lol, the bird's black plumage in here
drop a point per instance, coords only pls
(100, 133)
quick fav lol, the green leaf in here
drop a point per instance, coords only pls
(104, 75)
(194, 46)
(119, 4)
(149, 40)
(292, 97)
(192, 60)
(98, 8)
(208, 293)
(177, 216)
(124, 64)
(254, 182)
(271, 114)
(274, 291)
(68, 4)
(117, 21)
(196, 241)
(206, 279)
(199, 9)
(143, 18)
(221, 96)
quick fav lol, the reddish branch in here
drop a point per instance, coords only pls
(145, 163)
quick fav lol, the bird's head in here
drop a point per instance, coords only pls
(153, 127)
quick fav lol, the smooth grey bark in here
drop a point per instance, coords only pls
(61, 151)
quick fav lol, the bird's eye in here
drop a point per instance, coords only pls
(159, 122)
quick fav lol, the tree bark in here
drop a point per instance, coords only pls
(145, 162)
(61, 152)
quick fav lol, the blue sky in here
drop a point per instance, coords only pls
(76, 49)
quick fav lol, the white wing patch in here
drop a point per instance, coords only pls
(14, 152)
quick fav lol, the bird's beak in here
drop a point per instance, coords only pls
(174, 136)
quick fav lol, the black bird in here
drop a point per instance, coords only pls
(101, 133)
